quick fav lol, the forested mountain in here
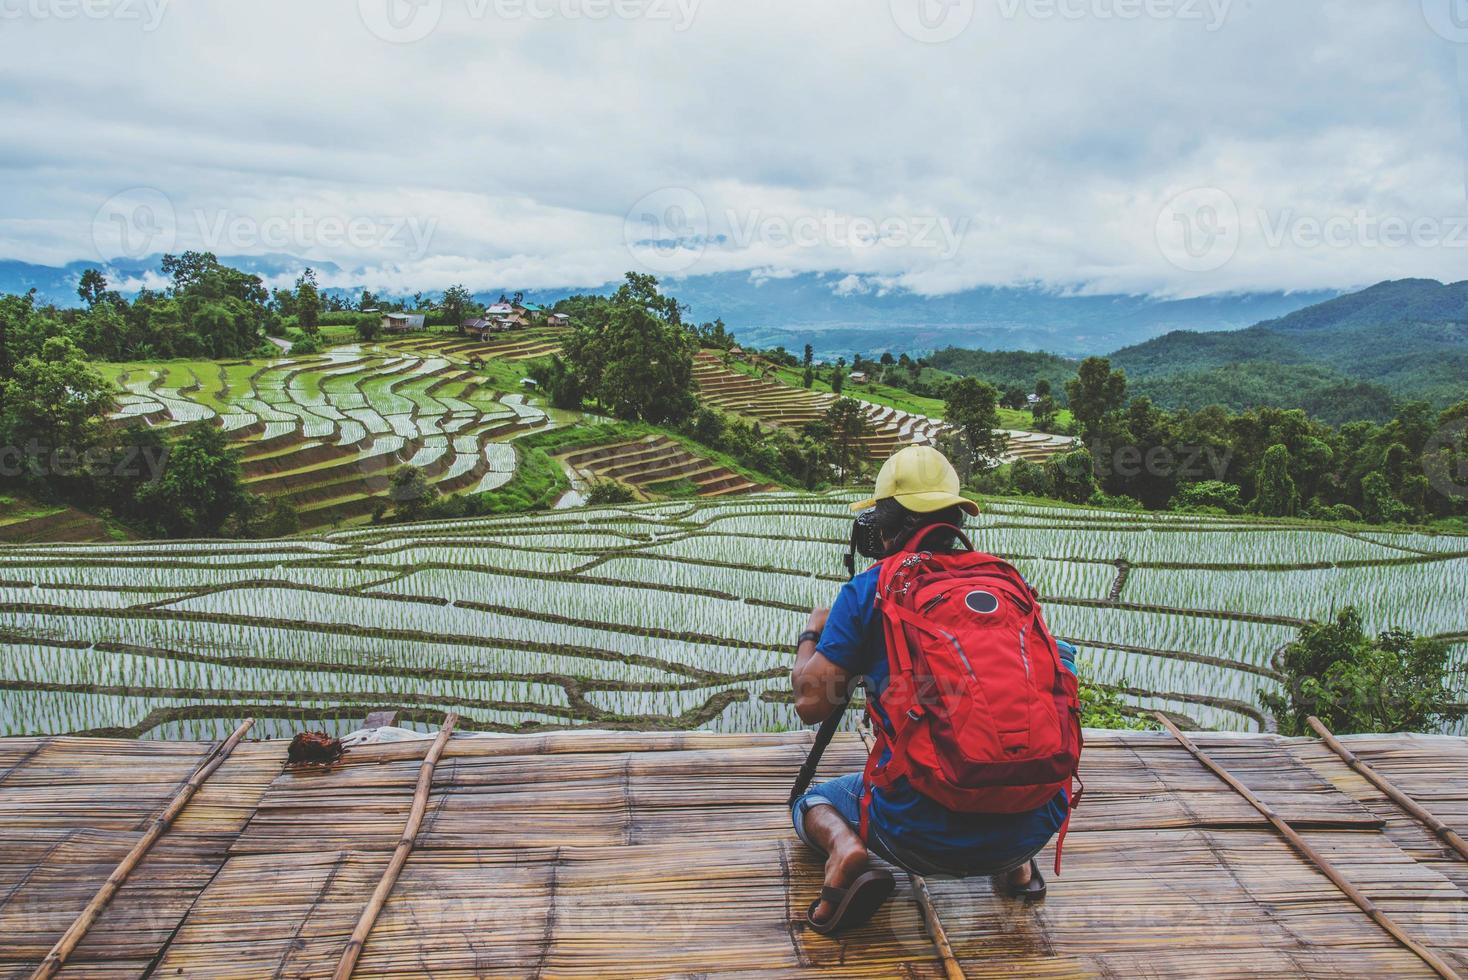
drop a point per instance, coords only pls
(1347, 358)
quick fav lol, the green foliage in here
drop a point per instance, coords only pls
(1072, 476)
(308, 303)
(1346, 359)
(53, 397)
(1103, 707)
(560, 384)
(610, 492)
(1214, 494)
(1275, 493)
(631, 354)
(844, 426)
(1095, 392)
(411, 493)
(1031, 479)
(199, 490)
(368, 328)
(1045, 414)
(307, 345)
(454, 308)
(1395, 682)
(1007, 369)
(973, 406)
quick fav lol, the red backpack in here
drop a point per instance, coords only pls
(984, 717)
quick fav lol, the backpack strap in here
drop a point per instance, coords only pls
(1073, 800)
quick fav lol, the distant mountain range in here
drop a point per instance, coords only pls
(1348, 357)
(838, 315)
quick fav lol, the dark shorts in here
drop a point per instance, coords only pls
(844, 793)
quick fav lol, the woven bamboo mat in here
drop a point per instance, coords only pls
(650, 855)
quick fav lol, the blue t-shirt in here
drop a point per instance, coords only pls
(853, 641)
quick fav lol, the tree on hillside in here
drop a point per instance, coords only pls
(1072, 476)
(628, 356)
(1395, 682)
(54, 398)
(92, 287)
(973, 406)
(1015, 398)
(808, 379)
(847, 423)
(199, 489)
(1043, 388)
(810, 355)
(1095, 392)
(410, 492)
(1276, 495)
(368, 328)
(1045, 414)
(641, 289)
(456, 303)
(308, 302)
(838, 380)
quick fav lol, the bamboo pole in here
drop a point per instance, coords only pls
(353, 952)
(1401, 799)
(1325, 867)
(73, 936)
(924, 899)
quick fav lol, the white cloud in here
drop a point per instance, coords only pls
(816, 137)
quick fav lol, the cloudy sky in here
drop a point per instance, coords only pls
(1172, 147)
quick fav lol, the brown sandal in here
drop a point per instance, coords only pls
(854, 905)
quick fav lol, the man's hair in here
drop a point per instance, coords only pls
(904, 525)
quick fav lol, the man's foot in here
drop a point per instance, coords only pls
(848, 861)
(1024, 882)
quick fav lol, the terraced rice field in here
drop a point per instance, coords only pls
(888, 429)
(327, 432)
(655, 463)
(672, 615)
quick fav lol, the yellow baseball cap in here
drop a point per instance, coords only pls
(921, 479)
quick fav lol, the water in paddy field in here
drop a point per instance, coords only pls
(668, 616)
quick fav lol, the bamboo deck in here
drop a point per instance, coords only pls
(645, 855)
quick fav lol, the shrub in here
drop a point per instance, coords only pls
(1102, 707)
(1211, 494)
(1115, 501)
(1031, 479)
(308, 344)
(610, 492)
(1072, 476)
(1395, 682)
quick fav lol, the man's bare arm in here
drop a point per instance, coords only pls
(819, 685)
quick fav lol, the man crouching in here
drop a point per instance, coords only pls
(974, 706)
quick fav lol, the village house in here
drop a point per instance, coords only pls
(476, 327)
(402, 322)
(858, 377)
(560, 319)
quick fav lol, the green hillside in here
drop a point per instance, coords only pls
(1343, 359)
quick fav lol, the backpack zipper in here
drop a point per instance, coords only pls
(961, 655)
(1024, 653)
(927, 606)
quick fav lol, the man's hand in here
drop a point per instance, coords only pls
(817, 621)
